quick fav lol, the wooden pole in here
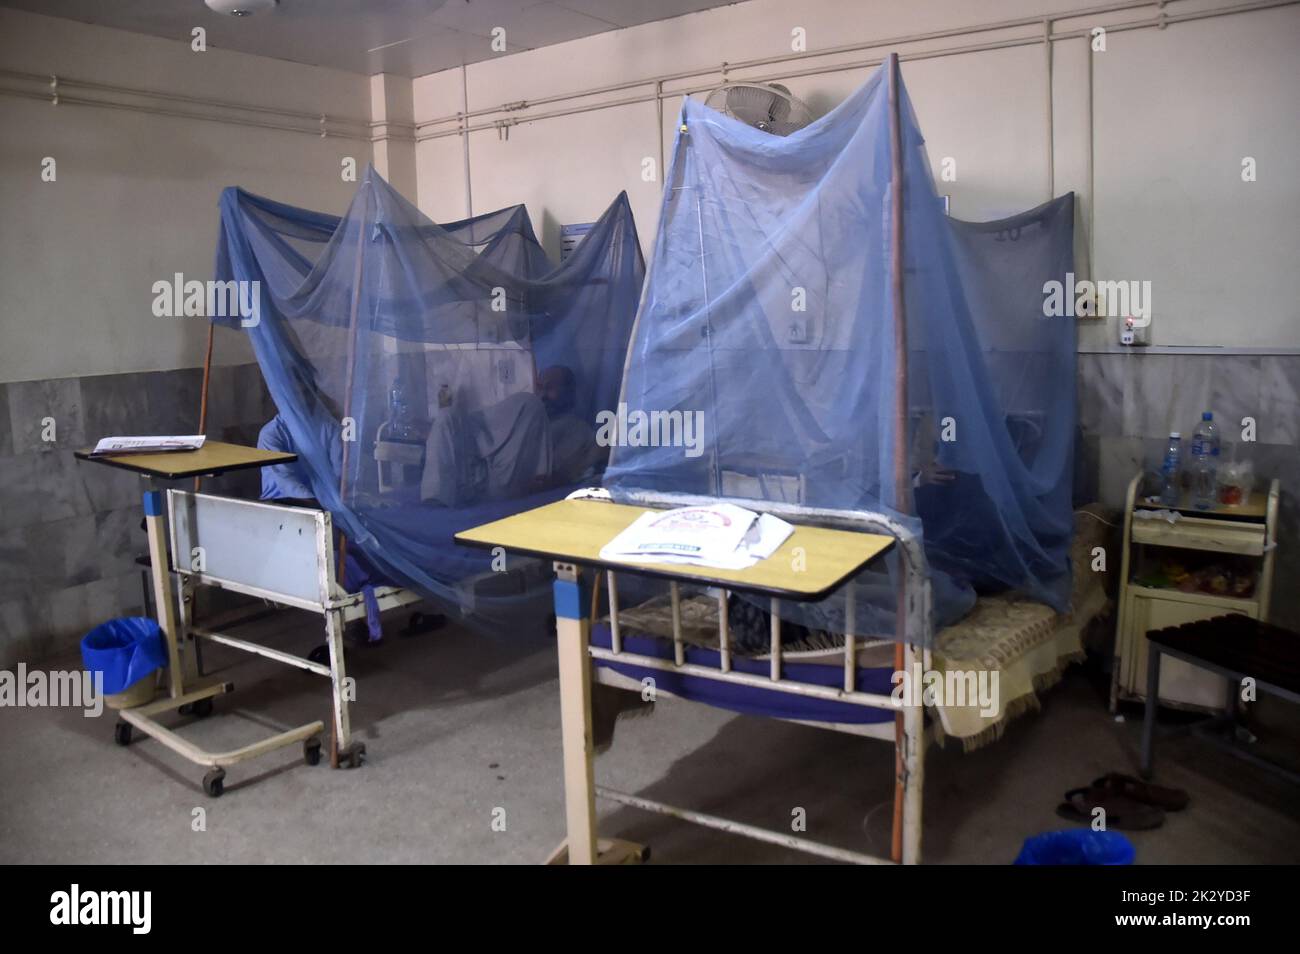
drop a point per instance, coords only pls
(203, 394)
(902, 473)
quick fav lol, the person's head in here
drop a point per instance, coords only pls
(557, 387)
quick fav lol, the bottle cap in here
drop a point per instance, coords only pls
(1207, 416)
(1175, 435)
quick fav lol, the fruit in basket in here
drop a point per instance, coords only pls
(1216, 582)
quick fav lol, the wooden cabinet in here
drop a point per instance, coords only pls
(1245, 534)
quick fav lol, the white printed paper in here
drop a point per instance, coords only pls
(722, 536)
(148, 445)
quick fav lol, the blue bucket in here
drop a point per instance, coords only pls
(1077, 846)
(125, 651)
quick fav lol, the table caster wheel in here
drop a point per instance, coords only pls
(122, 733)
(214, 783)
(352, 756)
(201, 708)
(321, 655)
(311, 751)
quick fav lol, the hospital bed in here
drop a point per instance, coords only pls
(683, 646)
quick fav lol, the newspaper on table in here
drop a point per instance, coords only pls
(148, 445)
(723, 536)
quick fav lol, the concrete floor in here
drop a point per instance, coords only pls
(458, 724)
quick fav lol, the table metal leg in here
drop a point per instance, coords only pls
(572, 632)
(1153, 702)
(164, 596)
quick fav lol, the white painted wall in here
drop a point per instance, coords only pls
(136, 196)
(1173, 112)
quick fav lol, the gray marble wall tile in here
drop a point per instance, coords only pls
(63, 553)
(1101, 393)
(222, 399)
(118, 540)
(1119, 458)
(24, 631)
(1087, 469)
(1235, 394)
(38, 488)
(6, 428)
(115, 404)
(76, 610)
(173, 400)
(14, 583)
(237, 399)
(109, 488)
(253, 404)
(1279, 400)
(33, 403)
(1164, 393)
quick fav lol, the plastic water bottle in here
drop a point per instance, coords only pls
(399, 413)
(1170, 490)
(1205, 461)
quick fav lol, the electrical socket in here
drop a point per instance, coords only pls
(1132, 335)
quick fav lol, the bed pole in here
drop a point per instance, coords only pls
(343, 471)
(353, 327)
(902, 480)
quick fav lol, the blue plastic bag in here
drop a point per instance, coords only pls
(1077, 846)
(124, 650)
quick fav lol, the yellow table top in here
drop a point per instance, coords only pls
(214, 457)
(576, 530)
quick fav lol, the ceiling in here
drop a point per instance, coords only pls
(404, 37)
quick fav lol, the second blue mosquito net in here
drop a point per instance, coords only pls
(768, 318)
(432, 378)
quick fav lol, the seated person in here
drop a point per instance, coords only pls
(290, 481)
(574, 451)
(518, 446)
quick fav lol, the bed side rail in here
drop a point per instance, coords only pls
(914, 597)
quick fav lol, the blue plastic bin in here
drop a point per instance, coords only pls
(125, 650)
(1077, 846)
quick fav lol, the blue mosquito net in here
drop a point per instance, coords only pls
(432, 378)
(768, 318)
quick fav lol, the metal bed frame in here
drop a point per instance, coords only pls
(282, 554)
(907, 731)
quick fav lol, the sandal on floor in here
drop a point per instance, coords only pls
(1121, 812)
(1170, 799)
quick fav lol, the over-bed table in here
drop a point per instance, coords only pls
(835, 545)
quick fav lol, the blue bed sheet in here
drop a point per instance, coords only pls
(748, 699)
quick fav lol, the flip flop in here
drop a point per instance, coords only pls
(1170, 799)
(1121, 812)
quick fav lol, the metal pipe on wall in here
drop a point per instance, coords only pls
(464, 98)
(350, 128)
(1051, 138)
(1157, 22)
(856, 47)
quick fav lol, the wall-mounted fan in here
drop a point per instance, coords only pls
(765, 106)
